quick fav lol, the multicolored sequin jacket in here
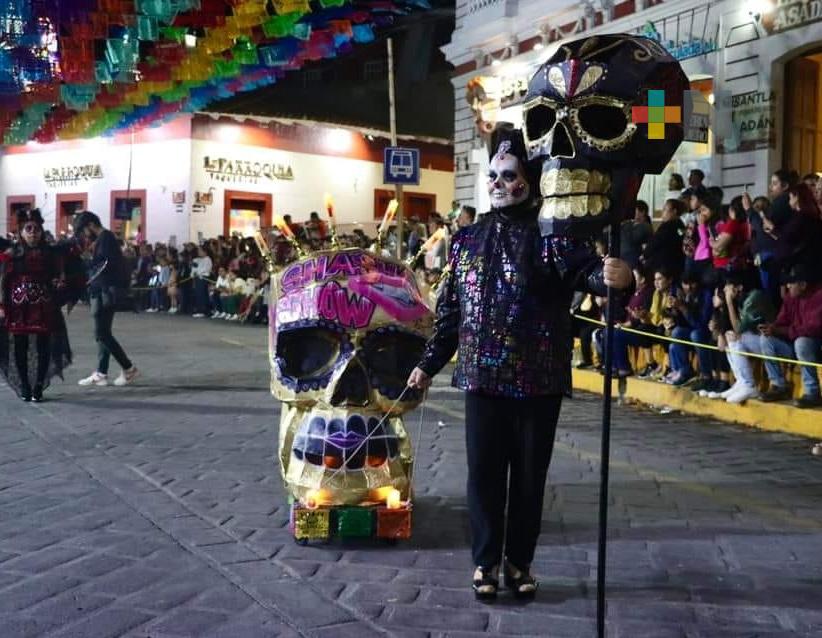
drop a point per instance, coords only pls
(505, 305)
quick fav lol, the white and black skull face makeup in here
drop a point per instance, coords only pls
(32, 233)
(507, 184)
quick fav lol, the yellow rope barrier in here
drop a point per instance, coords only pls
(705, 346)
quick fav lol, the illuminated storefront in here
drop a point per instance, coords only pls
(209, 175)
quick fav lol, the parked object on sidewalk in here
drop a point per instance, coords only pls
(346, 328)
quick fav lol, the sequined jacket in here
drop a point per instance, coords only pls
(505, 306)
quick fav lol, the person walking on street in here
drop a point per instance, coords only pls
(105, 281)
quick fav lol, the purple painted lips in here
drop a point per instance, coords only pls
(355, 442)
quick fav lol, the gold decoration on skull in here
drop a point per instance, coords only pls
(346, 328)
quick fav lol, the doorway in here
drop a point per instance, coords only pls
(128, 215)
(802, 150)
(67, 206)
(14, 204)
(245, 213)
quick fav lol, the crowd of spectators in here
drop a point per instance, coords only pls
(742, 276)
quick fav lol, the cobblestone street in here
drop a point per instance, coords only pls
(157, 510)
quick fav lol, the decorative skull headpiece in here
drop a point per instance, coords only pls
(579, 120)
(346, 328)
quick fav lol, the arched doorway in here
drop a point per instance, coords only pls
(802, 117)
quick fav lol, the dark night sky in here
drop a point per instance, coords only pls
(353, 89)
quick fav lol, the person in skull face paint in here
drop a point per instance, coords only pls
(504, 307)
(35, 280)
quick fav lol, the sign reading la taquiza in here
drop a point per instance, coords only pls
(72, 174)
(234, 170)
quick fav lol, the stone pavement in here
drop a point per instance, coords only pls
(157, 510)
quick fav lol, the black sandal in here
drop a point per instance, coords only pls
(485, 587)
(521, 583)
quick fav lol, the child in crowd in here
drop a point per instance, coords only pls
(219, 288)
(690, 311)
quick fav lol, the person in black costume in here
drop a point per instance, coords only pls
(36, 279)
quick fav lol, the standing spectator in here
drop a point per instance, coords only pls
(702, 263)
(799, 235)
(142, 274)
(185, 284)
(730, 245)
(796, 333)
(201, 271)
(415, 236)
(107, 269)
(763, 245)
(675, 187)
(467, 216)
(635, 234)
(664, 248)
(695, 185)
(436, 255)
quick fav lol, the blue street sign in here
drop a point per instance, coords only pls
(401, 165)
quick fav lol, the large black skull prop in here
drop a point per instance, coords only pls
(579, 120)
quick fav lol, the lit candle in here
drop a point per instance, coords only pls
(312, 499)
(433, 239)
(329, 206)
(392, 501)
(390, 211)
(279, 222)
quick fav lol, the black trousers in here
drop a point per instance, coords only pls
(509, 444)
(21, 358)
(102, 310)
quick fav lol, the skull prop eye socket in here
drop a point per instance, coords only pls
(307, 353)
(391, 355)
(603, 123)
(540, 117)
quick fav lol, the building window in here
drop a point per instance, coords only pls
(373, 70)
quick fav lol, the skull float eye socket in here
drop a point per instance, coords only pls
(307, 352)
(391, 355)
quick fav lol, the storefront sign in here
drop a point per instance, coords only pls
(72, 175)
(684, 48)
(746, 122)
(792, 13)
(232, 170)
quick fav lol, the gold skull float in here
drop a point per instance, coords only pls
(346, 328)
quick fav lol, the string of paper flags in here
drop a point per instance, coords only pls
(83, 68)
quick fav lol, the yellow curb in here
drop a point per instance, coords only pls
(777, 417)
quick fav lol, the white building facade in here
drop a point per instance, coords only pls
(203, 176)
(759, 60)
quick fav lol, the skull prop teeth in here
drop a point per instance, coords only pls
(578, 120)
(346, 328)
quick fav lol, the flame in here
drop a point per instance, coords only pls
(393, 501)
(313, 499)
(433, 239)
(279, 222)
(329, 205)
(390, 212)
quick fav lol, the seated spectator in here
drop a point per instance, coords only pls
(691, 312)
(799, 234)
(230, 297)
(585, 305)
(747, 310)
(664, 247)
(219, 288)
(638, 317)
(796, 333)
